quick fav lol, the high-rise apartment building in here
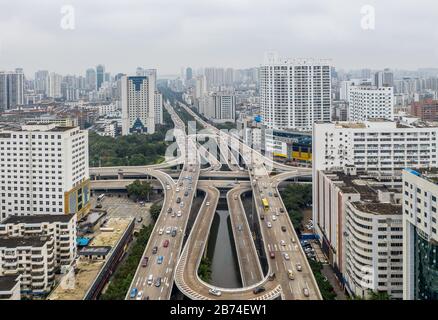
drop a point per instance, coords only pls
(42, 82)
(384, 78)
(200, 87)
(43, 170)
(420, 234)
(138, 104)
(11, 90)
(294, 93)
(369, 102)
(55, 81)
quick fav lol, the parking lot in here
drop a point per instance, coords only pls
(120, 206)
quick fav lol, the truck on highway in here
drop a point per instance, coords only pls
(265, 204)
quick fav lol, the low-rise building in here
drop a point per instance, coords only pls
(62, 228)
(33, 258)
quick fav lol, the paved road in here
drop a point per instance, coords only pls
(249, 263)
(178, 198)
(277, 230)
(187, 278)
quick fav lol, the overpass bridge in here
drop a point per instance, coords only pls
(181, 262)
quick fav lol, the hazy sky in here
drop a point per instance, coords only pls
(169, 34)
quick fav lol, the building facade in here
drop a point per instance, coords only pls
(11, 90)
(420, 237)
(138, 104)
(360, 222)
(295, 93)
(62, 228)
(426, 110)
(33, 259)
(44, 170)
(369, 102)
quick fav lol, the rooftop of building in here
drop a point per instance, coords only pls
(87, 270)
(45, 218)
(379, 123)
(370, 188)
(378, 208)
(14, 242)
(430, 174)
(7, 283)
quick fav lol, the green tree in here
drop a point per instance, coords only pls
(140, 189)
(120, 282)
(155, 211)
(379, 295)
(204, 270)
(296, 198)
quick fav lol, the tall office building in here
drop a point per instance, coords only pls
(420, 235)
(43, 170)
(138, 104)
(100, 76)
(294, 93)
(90, 79)
(11, 90)
(42, 82)
(369, 102)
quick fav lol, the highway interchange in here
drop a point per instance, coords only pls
(168, 261)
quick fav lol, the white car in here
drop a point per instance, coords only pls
(286, 256)
(207, 204)
(140, 295)
(160, 232)
(283, 243)
(215, 292)
(269, 225)
(274, 218)
(168, 230)
(179, 213)
(177, 189)
(299, 267)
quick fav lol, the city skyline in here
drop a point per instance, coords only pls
(200, 34)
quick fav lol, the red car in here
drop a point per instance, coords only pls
(144, 264)
(272, 254)
(166, 243)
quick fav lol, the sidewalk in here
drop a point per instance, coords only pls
(330, 275)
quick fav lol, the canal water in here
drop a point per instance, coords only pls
(222, 253)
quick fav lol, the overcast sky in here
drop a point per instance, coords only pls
(170, 34)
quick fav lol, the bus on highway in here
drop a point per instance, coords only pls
(265, 204)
